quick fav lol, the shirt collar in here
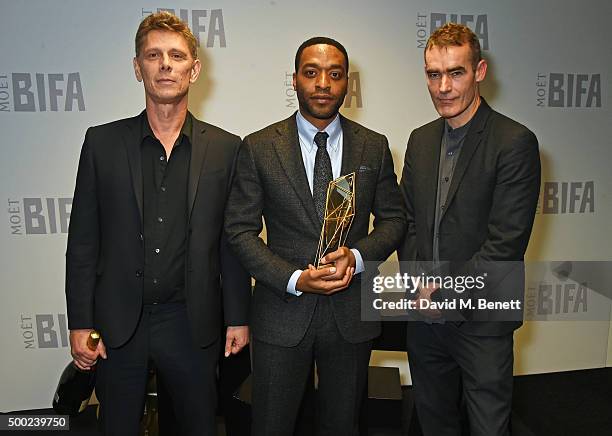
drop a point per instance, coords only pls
(185, 130)
(307, 132)
(457, 135)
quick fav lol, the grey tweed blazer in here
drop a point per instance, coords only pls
(270, 182)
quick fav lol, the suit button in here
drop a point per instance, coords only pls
(140, 237)
(138, 273)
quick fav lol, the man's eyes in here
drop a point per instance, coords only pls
(155, 55)
(452, 74)
(313, 73)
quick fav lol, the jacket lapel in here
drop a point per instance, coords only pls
(199, 147)
(287, 146)
(471, 143)
(431, 166)
(352, 147)
(131, 141)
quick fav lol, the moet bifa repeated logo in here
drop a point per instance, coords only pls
(207, 25)
(41, 92)
(428, 22)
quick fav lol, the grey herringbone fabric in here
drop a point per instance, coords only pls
(271, 183)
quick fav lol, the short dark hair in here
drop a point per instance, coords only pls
(320, 40)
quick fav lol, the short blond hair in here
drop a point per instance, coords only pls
(164, 20)
(455, 35)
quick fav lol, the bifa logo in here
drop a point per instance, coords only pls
(568, 90)
(38, 215)
(353, 97)
(206, 25)
(41, 92)
(44, 331)
(567, 197)
(553, 298)
(427, 23)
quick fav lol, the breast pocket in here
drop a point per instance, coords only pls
(365, 188)
(214, 180)
(211, 197)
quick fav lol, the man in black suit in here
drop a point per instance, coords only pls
(302, 314)
(470, 182)
(146, 253)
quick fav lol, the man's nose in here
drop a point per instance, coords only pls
(323, 81)
(445, 83)
(165, 63)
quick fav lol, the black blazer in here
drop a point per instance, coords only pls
(491, 201)
(105, 254)
(271, 182)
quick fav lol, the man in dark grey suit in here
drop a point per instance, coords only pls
(470, 182)
(301, 314)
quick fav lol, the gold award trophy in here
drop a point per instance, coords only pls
(339, 213)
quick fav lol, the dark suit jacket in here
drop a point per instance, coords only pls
(271, 182)
(105, 255)
(491, 201)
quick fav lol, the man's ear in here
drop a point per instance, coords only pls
(137, 69)
(481, 70)
(196, 69)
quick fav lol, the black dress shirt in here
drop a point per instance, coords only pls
(165, 184)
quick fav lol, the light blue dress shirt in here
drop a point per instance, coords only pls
(306, 134)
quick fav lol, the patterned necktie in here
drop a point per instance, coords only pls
(322, 174)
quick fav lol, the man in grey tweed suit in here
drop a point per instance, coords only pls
(300, 314)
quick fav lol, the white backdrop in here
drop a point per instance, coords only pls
(66, 65)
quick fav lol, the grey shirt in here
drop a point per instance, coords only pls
(450, 148)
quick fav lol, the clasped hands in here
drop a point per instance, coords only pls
(334, 276)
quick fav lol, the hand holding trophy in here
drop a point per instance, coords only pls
(339, 213)
(334, 264)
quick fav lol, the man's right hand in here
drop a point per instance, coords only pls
(84, 358)
(424, 300)
(317, 281)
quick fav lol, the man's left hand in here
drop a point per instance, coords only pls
(342, 259)
(236, 338)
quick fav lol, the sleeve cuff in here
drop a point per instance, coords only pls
(292, 282)
(359, 267)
